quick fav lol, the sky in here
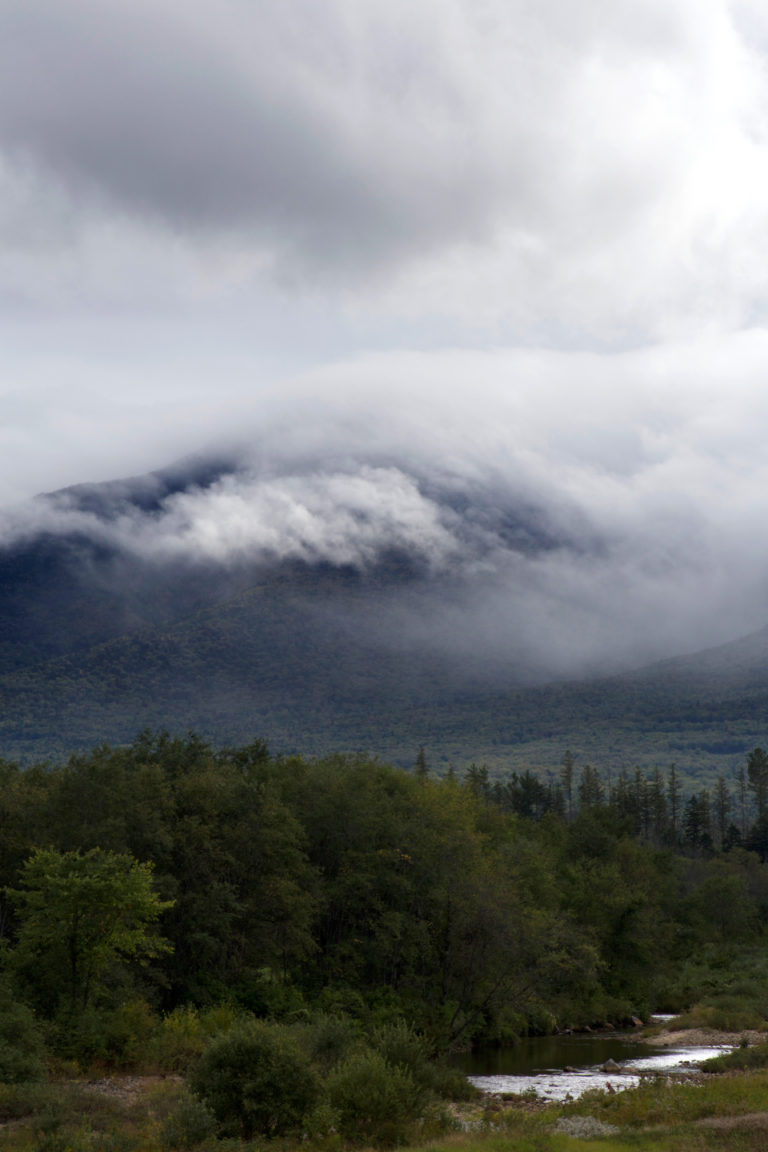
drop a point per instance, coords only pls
(389, 249)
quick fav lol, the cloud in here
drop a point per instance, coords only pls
(482, 283)
(512, 166)
(574, 511)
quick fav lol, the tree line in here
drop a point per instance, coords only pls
(651, 805)
(470, 908)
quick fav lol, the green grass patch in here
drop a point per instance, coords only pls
(720, 1018)
(658, 1102)
(740, 1060)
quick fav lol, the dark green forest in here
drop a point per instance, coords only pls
(472, 909)
(308, 940)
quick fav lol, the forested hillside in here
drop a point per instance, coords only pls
(286, 659)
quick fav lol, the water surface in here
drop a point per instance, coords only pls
(538, 1064)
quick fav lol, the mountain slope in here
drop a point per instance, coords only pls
(359, 609)
(266, 663)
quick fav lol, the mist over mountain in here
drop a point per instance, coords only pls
(497, 529)
(393, 559)
(375, 600)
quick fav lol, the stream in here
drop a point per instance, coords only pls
(538, 1064)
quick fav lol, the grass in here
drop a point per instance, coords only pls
(659, 1116)
(741, 1060)
(73, 1116)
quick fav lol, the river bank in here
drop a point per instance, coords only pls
(700, 1038)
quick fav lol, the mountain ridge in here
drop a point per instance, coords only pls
(98, 641)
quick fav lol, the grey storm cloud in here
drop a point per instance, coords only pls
(536, 166)
(325, 132)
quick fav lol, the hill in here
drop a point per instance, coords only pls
(99, 640)
(273, 663)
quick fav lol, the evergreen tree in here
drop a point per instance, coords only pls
(591, 792)
(722, 810)
(757, 774)
(476, 779)
(697, 823)
(742, 793)
(675, 798)
(566, 776)
(657, 805)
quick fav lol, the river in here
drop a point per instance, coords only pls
(538, 1064)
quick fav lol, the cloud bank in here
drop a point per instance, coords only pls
(590, 516)
(525, 169)
(478, 283)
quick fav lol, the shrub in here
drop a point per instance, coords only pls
(720, 1018)
(329, 1040)
(375, 1102)
(255, 1079)
(184, 1034)
(19, 1100)
(128, 1030)
(21, 1045)
(403, 1048)
(190, 1124)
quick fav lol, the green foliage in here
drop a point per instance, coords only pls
(376, 1103)
(731, 1015)
(81, 917)
(329, 1039)
(184, 1034)
(255, 1079)
(361, 906)
(190, 1123)
(115, 1037)
(741, 1059)
(24, 1098)
(22, 1052)
(401, 1047)
(656, 1102)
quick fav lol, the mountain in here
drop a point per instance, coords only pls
(100, 638)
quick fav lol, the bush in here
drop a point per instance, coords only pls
(128, 1030)
(21, 1045)
(185, 1033)
(329, 1040)
(255, 1079)
(720, 1018)
(375, 1102)
(19, 1100)
(117, 1037)
(403, 1048)
(190, 1124)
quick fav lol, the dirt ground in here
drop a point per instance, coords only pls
(128, 1089)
